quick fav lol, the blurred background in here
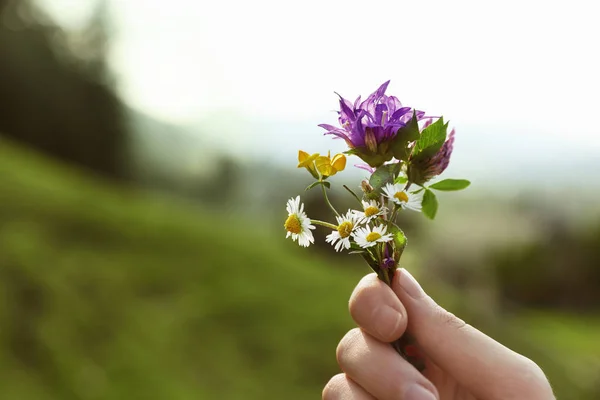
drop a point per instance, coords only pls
(147, 149)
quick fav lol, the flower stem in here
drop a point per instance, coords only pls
(353, 194)
(385, 277)
(406, 340)
(323, 223)
(328, 202)
(393, 217)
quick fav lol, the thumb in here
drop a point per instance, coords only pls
(479, 363)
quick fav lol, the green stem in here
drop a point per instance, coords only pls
(328, 202)
(400, 345)
(393, 217)
(385, 277)
(353, 194)
(372, 261)
(323, 223)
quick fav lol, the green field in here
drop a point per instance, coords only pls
(111, 293)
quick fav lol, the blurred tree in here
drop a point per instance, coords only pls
(561, 270)
(220, 187)
(55, 89)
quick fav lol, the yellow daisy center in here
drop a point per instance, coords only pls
(345, 229)
(401, 196)
(370, 211)
(292, 224)
(373, 236)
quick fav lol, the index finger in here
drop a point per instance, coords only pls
(478, 362)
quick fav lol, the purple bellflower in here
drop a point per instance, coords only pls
(370, 127)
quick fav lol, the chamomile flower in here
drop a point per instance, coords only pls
(371, 210)
(367, 237)
(346, 225)
(403, 198)
(298, 224)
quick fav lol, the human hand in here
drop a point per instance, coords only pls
(461, 362)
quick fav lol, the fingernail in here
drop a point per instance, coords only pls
(410, 284)
(418, 392)
(388, 319)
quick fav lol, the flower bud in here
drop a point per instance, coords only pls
(421, 171)
(366, 187)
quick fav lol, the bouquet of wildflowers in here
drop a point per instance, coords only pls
(403, 149)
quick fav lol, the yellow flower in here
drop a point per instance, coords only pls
(308, 161)
(321, 166)
(339, 162)
(328, 166)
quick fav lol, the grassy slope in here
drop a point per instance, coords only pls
(109, 294)
(571, 350)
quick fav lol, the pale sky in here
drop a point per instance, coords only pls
(501, 65)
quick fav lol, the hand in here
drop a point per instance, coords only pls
(461, 362)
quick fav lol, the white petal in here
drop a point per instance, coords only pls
(338, 245)
(346, 242)
(333, 236)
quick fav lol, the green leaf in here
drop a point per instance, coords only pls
(375, 160)
(429, 204)
(324, 183)
(410, 132)
(451, 184)
(399, 239)
(381, 177)
(401, 179)
(404, 136)
(431, 140)
(353, 194)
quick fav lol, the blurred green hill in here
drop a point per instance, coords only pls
(109, 294)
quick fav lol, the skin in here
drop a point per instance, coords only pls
(461, 362)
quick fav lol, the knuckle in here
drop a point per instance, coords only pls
(333, 388)
(396, 389)
(534, 379)
(528, 381)
(344, 348)
(448, 319)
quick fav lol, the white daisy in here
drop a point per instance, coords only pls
(367, 237)
(404, 199)
(346, 225)
(298, 224)
(371, 210)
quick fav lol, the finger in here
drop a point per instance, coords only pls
(489, 369)
(340, 387)
(377, 309)
(379, 370)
